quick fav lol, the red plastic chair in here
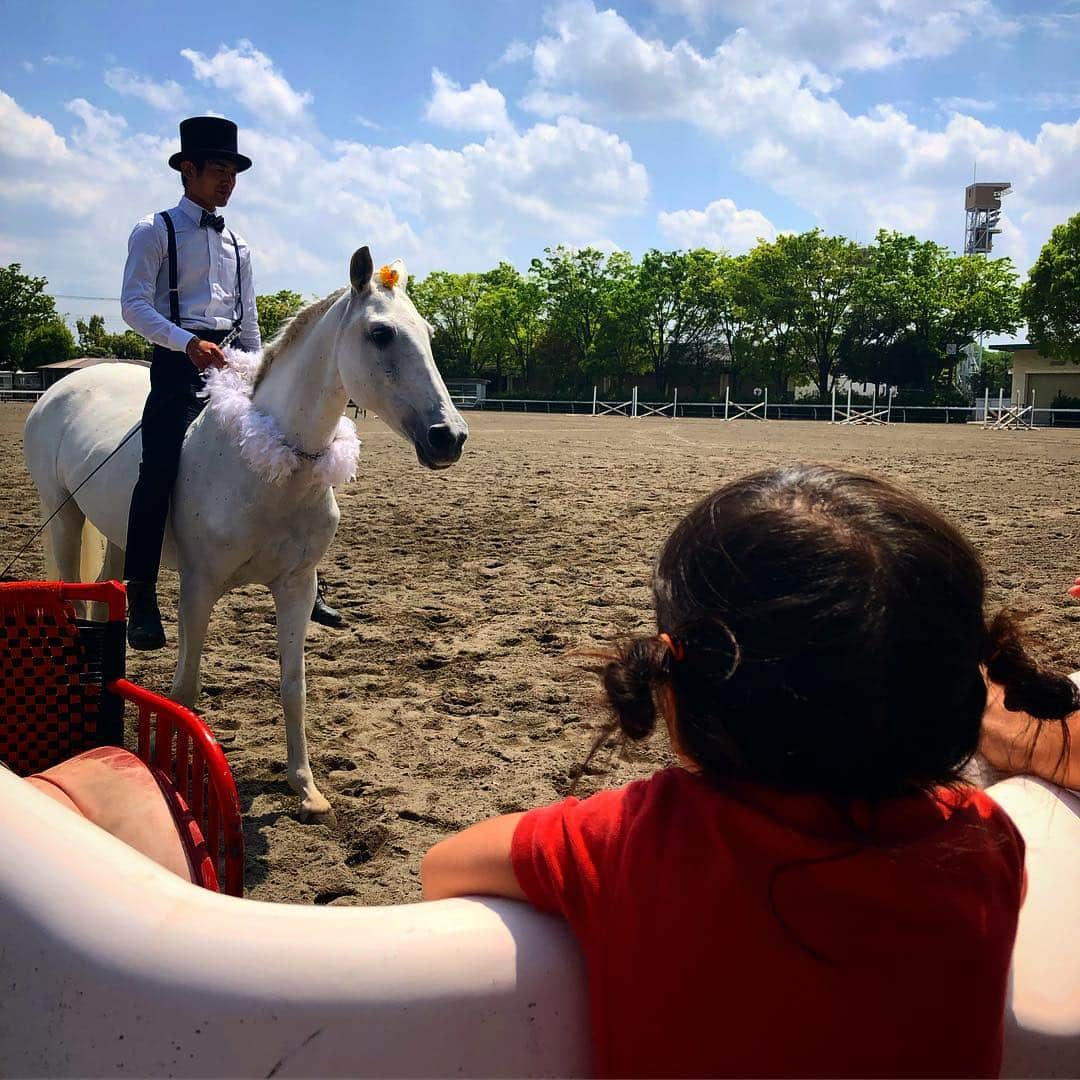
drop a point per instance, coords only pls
(63, 691)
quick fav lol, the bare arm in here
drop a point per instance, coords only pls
(473, 862)
(1015, 742)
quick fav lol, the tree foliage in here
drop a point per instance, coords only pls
(275, 309)
(799, 310)
(24, 306)
(94, 340)
(1050, 300)
(49, 343)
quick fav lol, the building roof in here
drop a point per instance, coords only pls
(88, 361)
(1015, 346)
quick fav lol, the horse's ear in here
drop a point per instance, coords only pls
(360, 269)
(403, 274)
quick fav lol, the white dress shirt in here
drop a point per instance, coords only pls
(205, 275)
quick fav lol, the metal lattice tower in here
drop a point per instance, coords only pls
(982, 202)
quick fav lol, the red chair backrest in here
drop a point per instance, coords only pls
(62, 691)
(54, 670)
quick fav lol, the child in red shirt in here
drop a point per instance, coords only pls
(814, 893)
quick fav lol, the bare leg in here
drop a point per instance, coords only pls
(197, 599)
(293, 600)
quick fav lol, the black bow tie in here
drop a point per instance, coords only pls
(213, 221)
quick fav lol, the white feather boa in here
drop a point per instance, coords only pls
(261, 441)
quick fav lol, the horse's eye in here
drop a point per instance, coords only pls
(381, 335)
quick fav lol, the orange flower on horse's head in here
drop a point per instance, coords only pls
(388, 276)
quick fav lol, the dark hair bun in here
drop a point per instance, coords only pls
(629, 680)
(1029, 687)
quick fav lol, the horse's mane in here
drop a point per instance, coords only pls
(292, 329)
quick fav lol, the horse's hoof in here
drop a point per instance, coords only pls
(318, 815)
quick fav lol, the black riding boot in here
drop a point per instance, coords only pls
(323, 613)
(144, 629)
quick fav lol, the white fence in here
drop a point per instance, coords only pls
(21, 395)
(871, 415)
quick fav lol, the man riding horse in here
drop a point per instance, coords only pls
(187, 288)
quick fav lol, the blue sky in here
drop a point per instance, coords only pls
(457, 134)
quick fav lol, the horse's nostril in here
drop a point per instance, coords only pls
(444, 440)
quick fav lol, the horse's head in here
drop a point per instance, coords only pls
(385, 362)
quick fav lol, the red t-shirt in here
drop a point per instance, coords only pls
(891, 961)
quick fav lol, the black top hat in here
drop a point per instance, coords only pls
(209, 137)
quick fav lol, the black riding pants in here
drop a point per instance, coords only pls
(170, 408)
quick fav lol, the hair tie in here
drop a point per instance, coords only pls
(993, 656)
(674, 647)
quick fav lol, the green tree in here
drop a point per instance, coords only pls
(449, 302)
(677, 294)
(275, 309)
(914, 300)
(585, 294)
(732, 293)
(1050, 299)
(129, 346)
(763, 293)
(94, 340)
(509, 321)
(824, 272)
(24, 305)
(49, 343)
(620, 348)
(993, 372)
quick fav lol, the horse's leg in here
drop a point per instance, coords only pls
(197, 599)
(65, 539)
(293, 600)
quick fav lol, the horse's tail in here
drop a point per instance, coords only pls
(52, 569)
(91, 552)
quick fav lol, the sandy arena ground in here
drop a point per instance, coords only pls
(450, 695)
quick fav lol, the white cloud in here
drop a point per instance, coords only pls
(479, 108)
(721, 226)
(28, 138)
(514, 53)
(854, 172)
(27, 66)
(250, 76)
(52, 60)
(100, 127)
(167, 96)
(966, 104)
(860, 35)
(307, 204)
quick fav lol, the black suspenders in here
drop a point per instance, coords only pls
(239, 293)
(174, 290)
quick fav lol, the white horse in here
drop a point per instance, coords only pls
(230, 524)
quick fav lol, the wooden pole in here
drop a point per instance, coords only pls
(594, 400)
(727, 399)
(675, 404)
